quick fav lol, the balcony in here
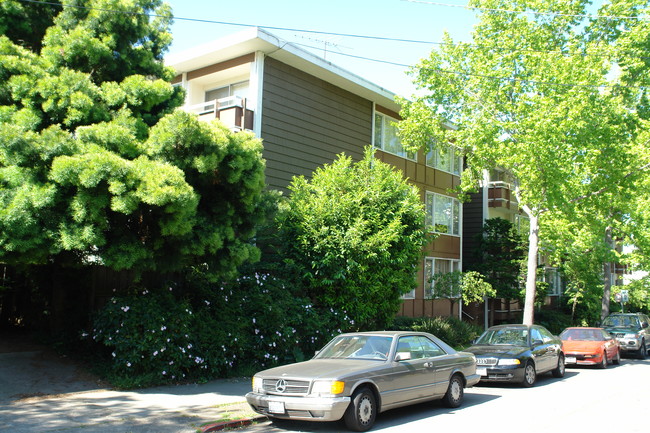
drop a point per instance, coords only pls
(501, 195)
(232, 111)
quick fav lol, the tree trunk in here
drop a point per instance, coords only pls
(531, 273)
(607, 276)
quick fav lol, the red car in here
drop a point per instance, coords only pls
(589, 346)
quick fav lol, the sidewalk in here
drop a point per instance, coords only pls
(40, 391)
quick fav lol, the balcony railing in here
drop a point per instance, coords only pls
(501, 194)
(232, 111)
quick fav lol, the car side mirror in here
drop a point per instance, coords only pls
(537, 342)
(644, 324)
(402, 356)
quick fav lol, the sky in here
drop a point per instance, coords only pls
(395, 19)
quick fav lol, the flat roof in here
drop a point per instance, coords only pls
(256, 39)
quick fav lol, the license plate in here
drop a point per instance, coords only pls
(481, 371)
(276, 407)
(570, 360)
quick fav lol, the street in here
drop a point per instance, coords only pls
(586, 399)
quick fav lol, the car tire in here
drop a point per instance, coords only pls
(561, 368)
(455, 392)
(603, 363)
(361, 414)
(530, 375)
(617, 359)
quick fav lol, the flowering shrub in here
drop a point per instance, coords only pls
(149, 337)
(223, 330)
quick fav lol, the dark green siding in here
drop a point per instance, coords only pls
(306, 122)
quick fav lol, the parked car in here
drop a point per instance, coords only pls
(358, 375)
(589, 346)
(517, 353)
(631, 331)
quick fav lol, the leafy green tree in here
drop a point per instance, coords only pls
(499, 257)
(469, 286)
(355, 231)
(97, 166)
(532, 95)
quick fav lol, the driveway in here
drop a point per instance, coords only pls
(28, 369)
(45, 392)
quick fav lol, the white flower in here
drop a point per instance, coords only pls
(128, 364)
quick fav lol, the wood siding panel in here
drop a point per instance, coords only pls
(307, 122)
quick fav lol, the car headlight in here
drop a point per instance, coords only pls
(630, 335)
(509, 361)
(332, 387)
(258, 385)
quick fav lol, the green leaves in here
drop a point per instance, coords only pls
(535, 95)
(356, 232)
(94, 160)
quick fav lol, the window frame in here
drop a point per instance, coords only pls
(429, 286)
(454, 163)
(379, 135)
(454, 226)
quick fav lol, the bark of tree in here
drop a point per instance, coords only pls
(531, 273)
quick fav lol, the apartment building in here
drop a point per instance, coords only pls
(307, 111)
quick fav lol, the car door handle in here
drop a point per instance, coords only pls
(428, 364)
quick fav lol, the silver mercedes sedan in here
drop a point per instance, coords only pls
(358, 375)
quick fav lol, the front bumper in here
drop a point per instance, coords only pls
(504, 373)
(629, 344)
(582, 359)
(299, 408)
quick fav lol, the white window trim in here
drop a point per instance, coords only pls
(453, 149)
(459, 206)
(387, 119)
(429, 291)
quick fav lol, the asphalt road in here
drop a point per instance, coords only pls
(586, 399)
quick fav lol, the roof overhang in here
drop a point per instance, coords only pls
(258, 40)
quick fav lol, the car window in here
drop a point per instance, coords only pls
(507, 336)
(406, 345)
(546, 335)
(357, 347)
(606, 335)
(535, 335)
(429, 348)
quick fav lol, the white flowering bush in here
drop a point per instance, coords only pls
(150, 339)
(211, 331)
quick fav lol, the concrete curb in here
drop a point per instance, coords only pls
(235, 423)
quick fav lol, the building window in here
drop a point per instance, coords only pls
(443, 214)
(554, 279)
(522, 224)
(386, 138)
(409, 295)
(434, 266)
(232, 90)
(445, 158)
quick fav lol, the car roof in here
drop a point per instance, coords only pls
(582, 327)
(387, 333)
(513, 325)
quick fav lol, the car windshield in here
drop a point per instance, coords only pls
(620, 321)
(582, 335)
(506, 336)
(357, 347)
